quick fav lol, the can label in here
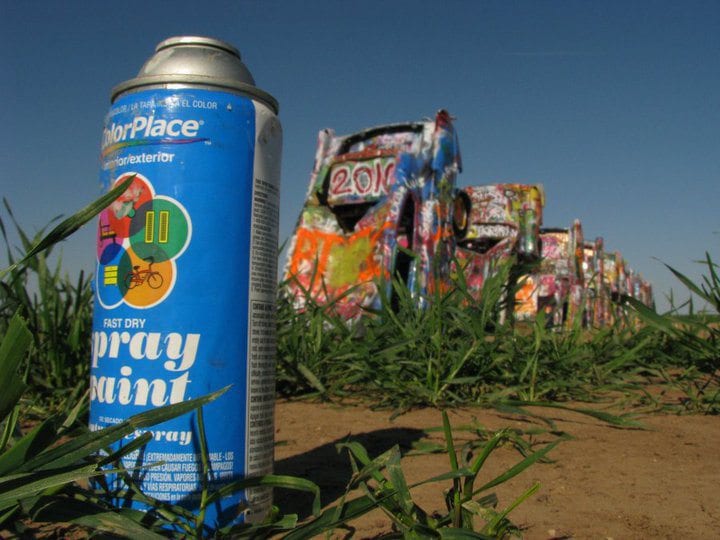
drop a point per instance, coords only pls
(185, 286)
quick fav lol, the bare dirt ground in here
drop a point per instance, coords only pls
(662, 482)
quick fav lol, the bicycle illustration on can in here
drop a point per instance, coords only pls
(136, 277)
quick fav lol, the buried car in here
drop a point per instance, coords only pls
(501, 221)
(379, 206)
(557, 287)
(593, 266)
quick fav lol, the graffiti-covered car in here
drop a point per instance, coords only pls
(613, 285)
(556, 288)
(379, 206)
(596, 305)
(619, 280)
(502, 220)
(640, 289)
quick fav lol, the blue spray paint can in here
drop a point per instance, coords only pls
(186, 270)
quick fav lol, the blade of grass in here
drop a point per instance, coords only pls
(13, 349)
(85, 445)
(71, 224)
(16, 487)
(613, 419)
(518, 468)
(271, 480)
(456, 516)
(205, 477)
(493, 524)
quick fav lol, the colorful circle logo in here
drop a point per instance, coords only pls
(140, 235)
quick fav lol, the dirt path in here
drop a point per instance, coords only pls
(663, 482)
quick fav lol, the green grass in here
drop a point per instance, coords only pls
(458, 352)
(471, 509)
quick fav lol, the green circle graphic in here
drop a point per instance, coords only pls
(159, 230)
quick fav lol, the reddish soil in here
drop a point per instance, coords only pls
(662, 482)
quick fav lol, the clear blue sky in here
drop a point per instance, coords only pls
(613, 106)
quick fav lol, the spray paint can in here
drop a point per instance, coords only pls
(186, 269)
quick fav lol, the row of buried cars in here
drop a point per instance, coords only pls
(383, 204)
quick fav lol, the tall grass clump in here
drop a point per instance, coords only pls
(691, 346)
(57, 311)
(440, 355)
(398, 356)
(471, 509)
(459, 350)
(315, 347)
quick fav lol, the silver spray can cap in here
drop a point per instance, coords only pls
(196, 61)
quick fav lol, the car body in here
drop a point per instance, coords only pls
(640, 289)
(557, 286)
(502, 221)
(379, 206)
(593, 266)
(613, 285)
(620, 281)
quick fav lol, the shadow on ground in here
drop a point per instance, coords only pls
(331, 469)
